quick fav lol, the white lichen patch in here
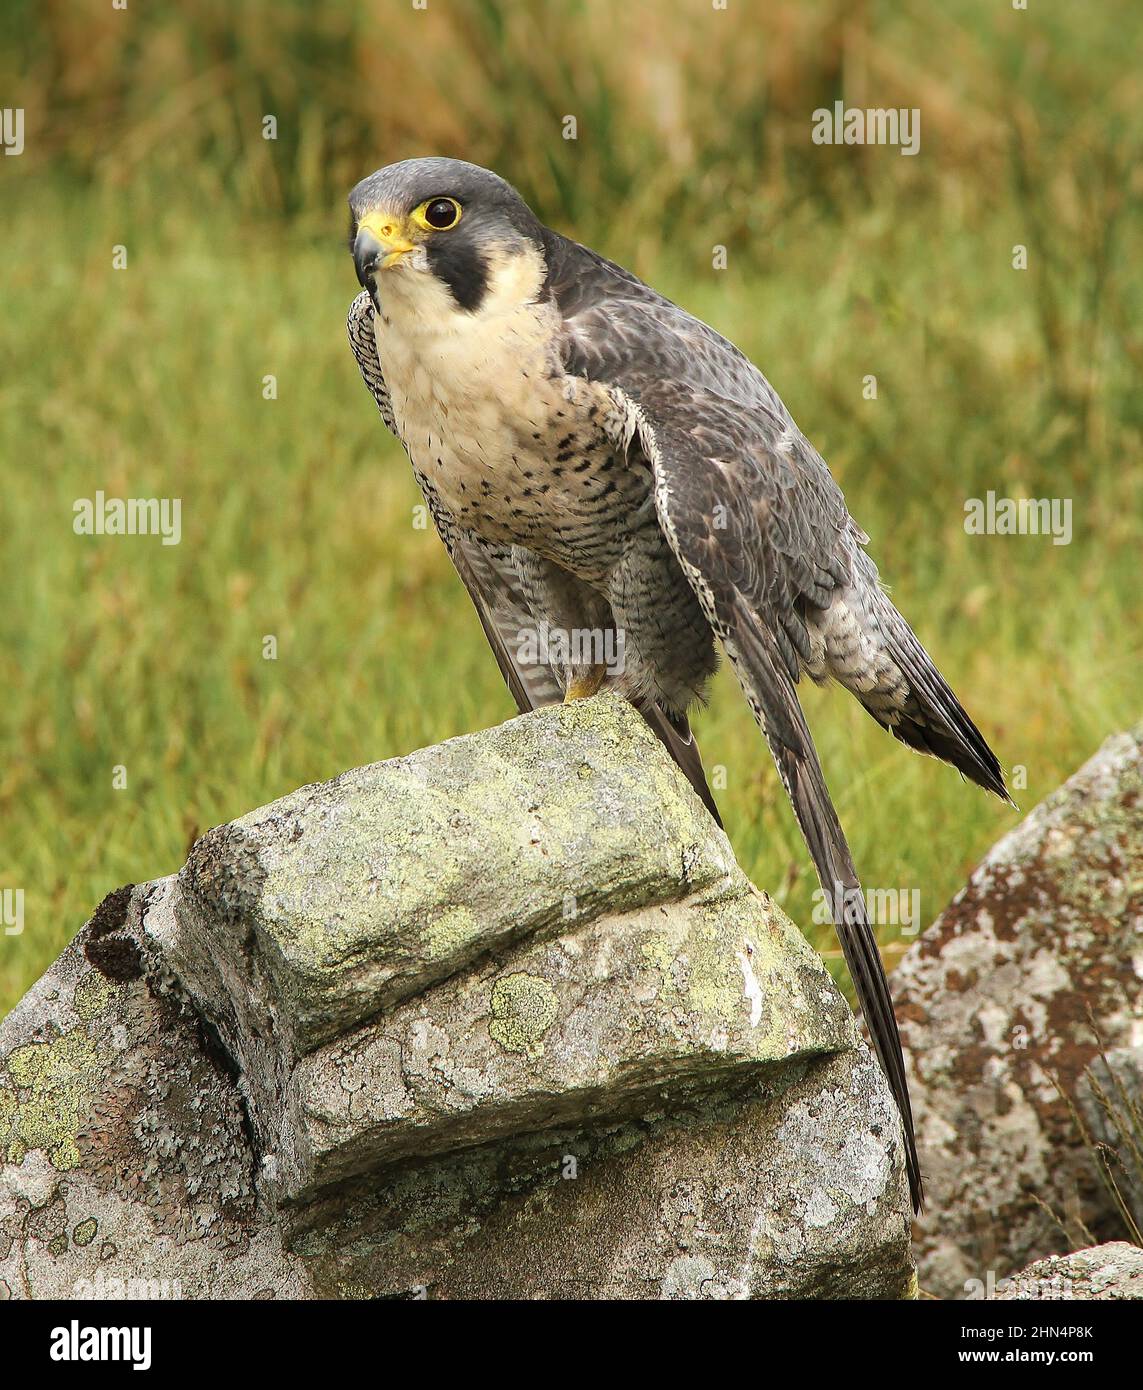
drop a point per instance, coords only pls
(751, 987)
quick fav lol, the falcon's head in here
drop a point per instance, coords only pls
(427, 223)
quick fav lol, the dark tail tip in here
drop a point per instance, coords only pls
(916, 1184)
(963, 747)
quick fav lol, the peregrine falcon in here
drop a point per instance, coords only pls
(598, 461)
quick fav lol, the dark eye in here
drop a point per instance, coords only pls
(441, 214)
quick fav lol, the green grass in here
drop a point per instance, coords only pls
(297, 521)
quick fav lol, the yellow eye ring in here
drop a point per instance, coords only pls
(437, 214)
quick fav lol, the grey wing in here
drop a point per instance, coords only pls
(487, 571)
(620, 330)
(757, 542)
(359, 326)
(755, 551)
(762, 532)
(490, 577)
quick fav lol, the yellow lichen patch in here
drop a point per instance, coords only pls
(10, 1150)
(84, 1233)
(92, 995)
(715, 981)
(698, 969)
(523, 1009)
(60, 1075)
(450, 932)
(659, 952)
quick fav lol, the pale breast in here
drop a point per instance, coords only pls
(515, 450)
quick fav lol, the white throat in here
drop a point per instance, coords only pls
(447, 367)
(419, 308)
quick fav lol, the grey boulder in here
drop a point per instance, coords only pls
(502, 1018)
(1004, 1002)
(1106, 1272)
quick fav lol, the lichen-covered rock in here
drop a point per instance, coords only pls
(783, 1187)
(612, 946)
(503, 1016)
(584, 1025)
(125, 1166)
(359, 892)
(1108, 1272)
(997, 1002)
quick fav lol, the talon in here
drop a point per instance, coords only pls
(585, 684)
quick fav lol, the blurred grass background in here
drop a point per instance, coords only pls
(144, 128)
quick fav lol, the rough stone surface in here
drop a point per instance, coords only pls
(127, 1168)
(501, 1018)
(589, 1023)
(360, 892)
(996, 1003)
(1113, 1271)
(785, 1188)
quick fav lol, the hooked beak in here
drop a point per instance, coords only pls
(378, 245)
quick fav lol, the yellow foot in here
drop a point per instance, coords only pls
(585, 684)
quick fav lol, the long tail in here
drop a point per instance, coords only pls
(804, 781)
(780, 717)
